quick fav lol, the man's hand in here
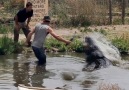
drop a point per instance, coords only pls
(28, 21)
(28, 44)
(28, 40)
(68, 42)
(51, 31)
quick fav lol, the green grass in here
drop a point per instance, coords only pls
(51, 42)
(76, 45)
(121, 43)
(7, 46)
(6, 28)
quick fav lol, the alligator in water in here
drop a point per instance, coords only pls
(95, 58)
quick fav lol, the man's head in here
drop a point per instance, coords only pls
(29, 6)
(46, 19)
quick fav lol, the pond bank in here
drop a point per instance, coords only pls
(112, 32)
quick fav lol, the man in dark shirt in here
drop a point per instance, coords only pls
(22, 20)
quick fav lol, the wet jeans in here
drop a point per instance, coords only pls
(40, 54)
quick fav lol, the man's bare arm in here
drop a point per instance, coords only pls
(30, 35)
(50, 30)
(28, 21)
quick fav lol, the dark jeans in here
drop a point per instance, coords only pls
(24, 29)
(40, 54)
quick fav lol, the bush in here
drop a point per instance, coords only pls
(76, 45)
(102, 31)
(13, 4)
(117, 21)
(6, 28)
(86, 30)
(53, 43)
(74, 12)
(7, 46)
(121, 43)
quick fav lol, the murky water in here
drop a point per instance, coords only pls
(22, 69)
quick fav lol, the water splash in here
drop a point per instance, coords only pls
(109, 51)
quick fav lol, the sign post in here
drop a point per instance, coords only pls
(40, 9)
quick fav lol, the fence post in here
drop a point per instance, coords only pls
(123, 12)
(110, 11)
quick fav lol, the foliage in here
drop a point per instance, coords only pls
(117, 21)
(13, 4)
(10, 7)
(76, 45)
(102, 31)
(74, 12)
(53, 43)
(7, 46)
(86, 30)
(6, 28)
(121, 43)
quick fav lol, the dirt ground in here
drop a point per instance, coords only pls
(113, 30)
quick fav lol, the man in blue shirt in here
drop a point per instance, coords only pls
(22, 20)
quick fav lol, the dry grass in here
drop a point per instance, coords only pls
(109, 87)
(79, 12)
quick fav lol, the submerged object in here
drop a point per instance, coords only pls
(68, 76)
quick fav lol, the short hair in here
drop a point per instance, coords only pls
(28, 4)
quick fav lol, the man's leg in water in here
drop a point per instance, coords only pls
(40, 54)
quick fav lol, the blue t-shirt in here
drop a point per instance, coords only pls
(23, 15)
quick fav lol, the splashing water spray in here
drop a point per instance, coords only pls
(109, 50)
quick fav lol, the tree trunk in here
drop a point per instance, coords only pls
(123, 11)
(110, 11)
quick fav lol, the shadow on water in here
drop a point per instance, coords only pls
(21, 73)
(30, 75)
(23, 69)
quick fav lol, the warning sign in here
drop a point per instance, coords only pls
(40, 9)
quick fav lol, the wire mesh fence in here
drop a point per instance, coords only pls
(88, 12)
(74, 13)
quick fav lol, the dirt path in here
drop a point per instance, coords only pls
(113, 30)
